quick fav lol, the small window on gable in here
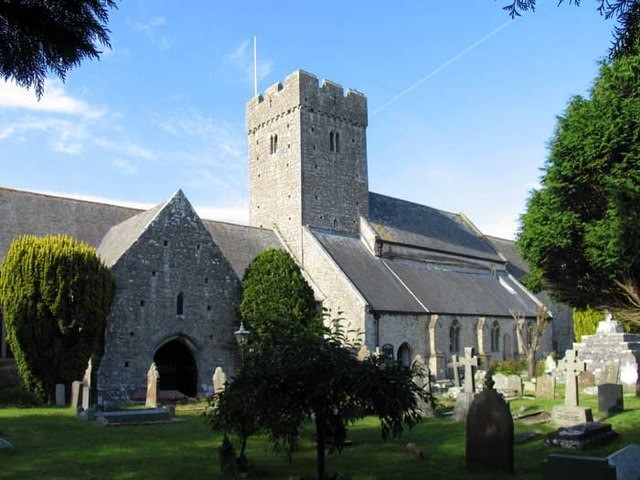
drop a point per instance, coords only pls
(180, 304)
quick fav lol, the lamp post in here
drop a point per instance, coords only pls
(242, 337)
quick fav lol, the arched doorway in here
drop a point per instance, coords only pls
(177, 368)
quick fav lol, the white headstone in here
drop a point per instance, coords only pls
(219, 380)
(60, 398)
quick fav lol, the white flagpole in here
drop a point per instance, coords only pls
(255, 66)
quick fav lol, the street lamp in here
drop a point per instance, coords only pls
(242, 337)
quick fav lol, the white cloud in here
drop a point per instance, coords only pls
(232, 214)
(152, 29)
(128, 168)
(242, 60)
(126, 148)
(54, 100)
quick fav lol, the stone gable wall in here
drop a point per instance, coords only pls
(175, 254)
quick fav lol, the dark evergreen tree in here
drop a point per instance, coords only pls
(581, 231)
(55, 295)
(38, 37)
(276, 299)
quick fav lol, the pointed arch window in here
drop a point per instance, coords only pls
(495, 337)
(454, 337)
(180, 304)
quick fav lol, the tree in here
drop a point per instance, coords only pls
(626, 35)
(289, 382)
(580, 233)
(530, 334)
(55, 295)
(276, 299)
(585, 321)
(38, 37)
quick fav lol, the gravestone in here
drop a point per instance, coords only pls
(219, 380)
(455, 364)
(425, 405)
(586, 379)
(86, 397)
(546, 387)
(558, 466)
(610, 399)
(76, 394)
(550, 365)
(508, 385)
(87, 379)
(463, 402)
(363, 353)
(5, 443)
(627, 462)
(571, 413)
(153, 380)
(489, 433)
(60, 395)
(610, 373)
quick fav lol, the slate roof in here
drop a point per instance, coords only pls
(121, 237)
(407, 223)
(516, 265)
(241, 244)
(408, 286)
(28, 213)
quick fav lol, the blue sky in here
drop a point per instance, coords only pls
(462, 101)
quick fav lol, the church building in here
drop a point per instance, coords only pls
(417, 282)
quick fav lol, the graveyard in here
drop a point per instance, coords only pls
(52, 443)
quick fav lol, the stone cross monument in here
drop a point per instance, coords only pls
(469, 362)
(455, 364)
(572, 366)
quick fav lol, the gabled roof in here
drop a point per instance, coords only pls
(241, 244)
(28, 213)
(516, 265)
(409, 286)
(121, 237)
(411, 224)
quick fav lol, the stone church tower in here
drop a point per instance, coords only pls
(307, 158)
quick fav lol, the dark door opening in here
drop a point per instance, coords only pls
(177, 368)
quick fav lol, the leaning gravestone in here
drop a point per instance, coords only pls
(153, 380)
(60, 395)
(489, 440)
(546, 387)
(571, 413)
(219, 380)
(610, 399)
(463, 402)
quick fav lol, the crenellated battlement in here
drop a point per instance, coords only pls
(302, 90)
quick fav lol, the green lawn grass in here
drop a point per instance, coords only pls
(51, 443)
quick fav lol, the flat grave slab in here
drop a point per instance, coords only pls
(147, 416)
(581, 437)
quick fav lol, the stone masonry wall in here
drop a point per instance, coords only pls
(305, 179)
(174, 254)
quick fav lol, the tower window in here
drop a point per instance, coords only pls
(180, 304)
(331, 144)
(337, 142)
(273, 144)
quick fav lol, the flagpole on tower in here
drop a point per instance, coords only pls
(255, 66)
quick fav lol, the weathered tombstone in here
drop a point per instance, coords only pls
(463, 402)
(586, 379)
(87, 401)
(508, 385)
(455, 364)
(546, 387)
(550, 364)
(489, 440)
(425, 404)
(60, 395)
(5, 443)
(76, 394)
(582, 436)
(363, 353)
(610, 373)
(610, 399)
(219, 380)
(570, 413)
(560, 467)
(626, 462)
(153, 380)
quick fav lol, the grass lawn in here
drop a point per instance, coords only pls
(50, 443)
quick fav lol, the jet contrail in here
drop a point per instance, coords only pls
(442, 67)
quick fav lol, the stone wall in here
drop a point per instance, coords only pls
(174, 254)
